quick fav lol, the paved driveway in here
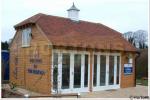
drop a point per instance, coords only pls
(119, 93)
(139, 90)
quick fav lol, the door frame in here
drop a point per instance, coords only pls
(107, 86)
(71, 89)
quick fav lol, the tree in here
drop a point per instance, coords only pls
(141, 38)
(5, 45)
(138, 38)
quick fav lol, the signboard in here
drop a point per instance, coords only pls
(36, 71)
(35, 60)
(128, 69)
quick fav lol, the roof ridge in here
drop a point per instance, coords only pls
(69, 19)
(84, 21)
(41, 14)
(108, 28)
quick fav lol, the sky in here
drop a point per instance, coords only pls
(121, 15)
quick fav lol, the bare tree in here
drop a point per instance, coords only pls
(141, 38)
(138, 38)
(129, 36)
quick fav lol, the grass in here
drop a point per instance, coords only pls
(143, 82)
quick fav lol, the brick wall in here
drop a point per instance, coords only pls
(127, 80)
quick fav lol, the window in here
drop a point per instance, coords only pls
(129, 58)
(26, 33)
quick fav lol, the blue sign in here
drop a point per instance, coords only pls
(128, 69)
(35, 71)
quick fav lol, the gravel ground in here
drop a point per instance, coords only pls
(139, 90)
(8, 94)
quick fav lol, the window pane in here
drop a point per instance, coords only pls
(118, 68)
(55, 70)
(111, 70)
(23, 37)
(86, 71)
(65, 70)
(102, 70)
(95, 70)
(26, 37)
(77, 71)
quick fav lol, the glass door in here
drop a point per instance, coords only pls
(86, 71)
(77, 71)
(65, 71)
(114, 71)
(95, 71)
(102, 70)
(106, 71)
(70, 72)
(55, 72)
(111, 70)
(118, 70)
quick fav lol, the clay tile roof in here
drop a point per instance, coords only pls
(64, 32)
(32, 19)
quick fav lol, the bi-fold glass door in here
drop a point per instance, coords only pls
(106, 70)
(77, 71)
(65, 76)
(70, 72)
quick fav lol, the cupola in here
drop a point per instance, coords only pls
(73, 13)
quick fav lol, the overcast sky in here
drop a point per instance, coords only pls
(121, 15)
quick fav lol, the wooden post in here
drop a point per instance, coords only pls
(50, 84)
(24, 61)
